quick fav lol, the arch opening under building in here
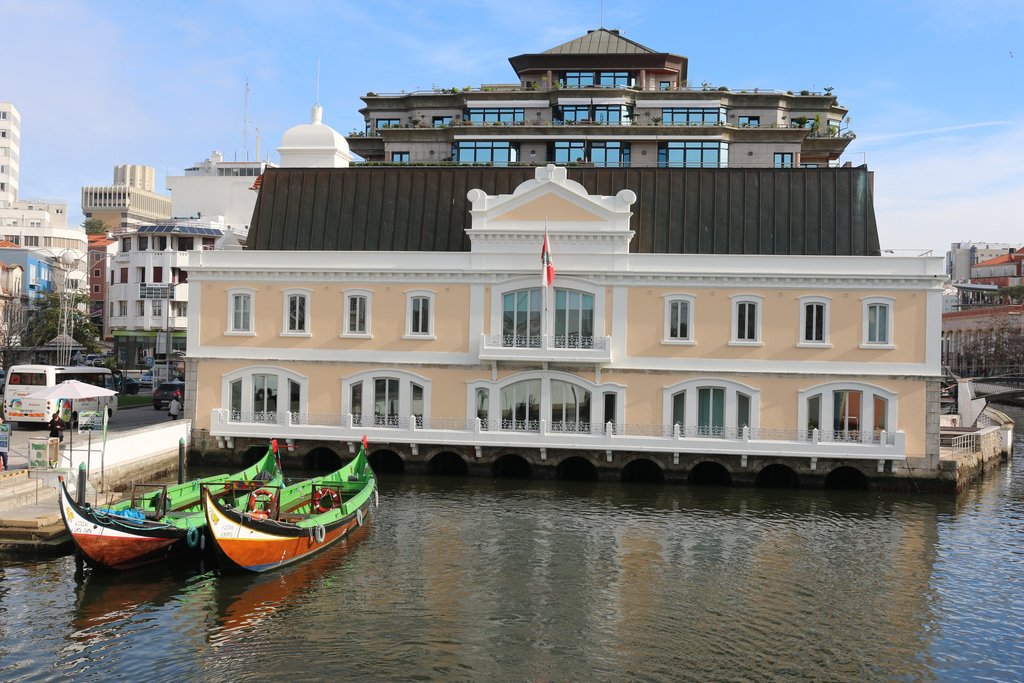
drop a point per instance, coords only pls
(643, 470)
(709, 473)
(512, 466)
(576, 468)
(777, 476)
(846, 478)
(386, 462)
(448, 464)
(253, 453)
(321, 460)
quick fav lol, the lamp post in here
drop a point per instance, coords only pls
(66, 321)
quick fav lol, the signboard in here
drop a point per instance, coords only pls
(5, 438)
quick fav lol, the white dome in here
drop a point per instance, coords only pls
(314, 145)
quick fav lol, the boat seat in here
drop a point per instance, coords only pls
(293, 517)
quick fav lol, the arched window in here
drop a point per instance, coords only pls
(570, 407)
(264, 393)
(520, 406)
(565, 402)
(386, 398)
(711, 407)
(847, 411)
(574, 319)
(521, 317)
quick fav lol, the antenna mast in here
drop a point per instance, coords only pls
(317, 102)
(245, 121)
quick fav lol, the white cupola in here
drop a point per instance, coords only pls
(314, 145)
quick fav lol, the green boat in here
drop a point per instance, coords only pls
(159, 521)
(279, 525)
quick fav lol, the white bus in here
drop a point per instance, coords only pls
(25, 380)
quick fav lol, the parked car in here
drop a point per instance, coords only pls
(126, 385)
(146, 379)
(163, 394)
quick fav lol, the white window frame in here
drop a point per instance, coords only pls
(670, 300)
(866, 304)
(410, 296)
(231, 331)
(758, 302)
(368, 296)
(547, 321)
(731, 400)
(807, 343)
(286, 296)
(405, 382)
(868, 393)
(246, 374)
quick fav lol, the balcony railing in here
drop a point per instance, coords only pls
(552, 347)
(562, 434)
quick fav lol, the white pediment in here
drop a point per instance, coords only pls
(553, 203)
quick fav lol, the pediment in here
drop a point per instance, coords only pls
(551, 207)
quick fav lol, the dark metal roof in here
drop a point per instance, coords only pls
(600, 41)
(805, 211)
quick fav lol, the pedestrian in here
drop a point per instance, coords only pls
(174, 407)
(5, 444)
(56, 426)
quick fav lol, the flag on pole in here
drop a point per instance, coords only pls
(547, 274)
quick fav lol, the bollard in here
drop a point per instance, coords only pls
(181, 460)
(83, 479)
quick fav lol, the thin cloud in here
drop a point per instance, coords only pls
(932, 131)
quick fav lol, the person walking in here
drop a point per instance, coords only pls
(174, 407)
(56, 426)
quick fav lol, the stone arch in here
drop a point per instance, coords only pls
(512, 466)
(777, 476)
(321, 459)
(253, 453)
(447, 464)
(643, 470)
(576, 468)
(709, 473)
(386, 461)
(848, 478)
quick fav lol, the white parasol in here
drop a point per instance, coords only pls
(71, 390)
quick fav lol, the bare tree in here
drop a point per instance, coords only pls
(14, 319)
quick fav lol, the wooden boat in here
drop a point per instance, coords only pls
(281, 525)
(158, 521)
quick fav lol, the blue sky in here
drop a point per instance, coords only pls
(935, 89)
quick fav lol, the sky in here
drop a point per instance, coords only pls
(934, 88)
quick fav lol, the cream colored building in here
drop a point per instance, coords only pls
(749, 360)
(129, 202)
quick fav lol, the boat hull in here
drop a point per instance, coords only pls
(119, 543)
(259, 545)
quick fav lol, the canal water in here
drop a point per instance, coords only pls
(467, 579)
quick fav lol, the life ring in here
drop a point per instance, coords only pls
(319, 533)
(267, 496)
(326, 500)
(192, 537)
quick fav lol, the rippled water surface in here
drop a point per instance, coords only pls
(530, 581)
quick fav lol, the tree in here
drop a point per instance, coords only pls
(44, 322)
(999, 349)
(95, 226)
(13, 324)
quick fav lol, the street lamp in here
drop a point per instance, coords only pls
(66, 298)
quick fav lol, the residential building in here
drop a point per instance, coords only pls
(604, 100)
(10, 153)
(216, 188)
(102, 249)
(694, 323)
(147, 301)
(962, 256)
(1006, 270)
(984, 340)
(129, 202)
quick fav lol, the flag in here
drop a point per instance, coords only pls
(547, 273)
(365, 443)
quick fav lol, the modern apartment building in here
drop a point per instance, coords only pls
(604, 100)
(129, 202)
(10, 153)
(963, 256)
(217, 188)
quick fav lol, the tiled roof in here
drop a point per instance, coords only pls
(1001, 259)
(812, 211)
(5, 244)
(600, 42)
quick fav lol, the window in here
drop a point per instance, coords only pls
(122, 308)
(126, 244)
(483, 407)
(574, 319)
(707, 116)
(240, 310)
(156, 307)
(495, 115)
(296, 311)
(140, 274)
(844, 411)
(387, 123)
(400, 157)
(599, 79)
(419, 321)
(570, 407)
(521, 318)
(568, 151)
(389, 398)
(877, 322)
(357, 313)
(385, 402)
(140, 308)
(783, 160)
(678, 319)
(96, 289)
(124, 275)
(97, 272)
(711, 407)
(746, 320)
(442, 121)
(814, 323)
(158, 274)
(30, 240)
(694, 154)
(416, 404)
(253, 394)
(665, 85)
(520, 406)
(143, 243)
(750, 121)
(572, 113)
(602, 153)
(498, 152)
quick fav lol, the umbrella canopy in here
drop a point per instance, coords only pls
(72, 389)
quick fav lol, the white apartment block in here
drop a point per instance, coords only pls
(10, 152)
(216, 188)
(962, 255)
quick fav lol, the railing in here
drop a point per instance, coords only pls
(546, 347)
(580, 434)
(652, 87)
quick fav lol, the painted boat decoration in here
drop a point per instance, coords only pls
(281, 525)
(157, 521)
